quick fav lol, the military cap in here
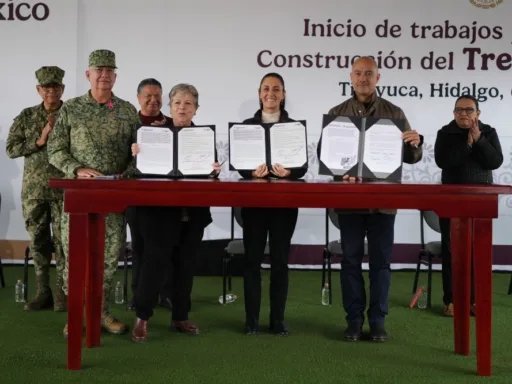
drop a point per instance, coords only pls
(50, 75)
(102, 58)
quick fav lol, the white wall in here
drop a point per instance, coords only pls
(214, 45)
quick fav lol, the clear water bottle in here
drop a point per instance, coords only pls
(325, 294)
(422, 300)
(229, 298)
(119, 294)
(19, 292)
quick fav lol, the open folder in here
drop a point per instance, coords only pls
(366, 147)
(251, 145)
(175, 152)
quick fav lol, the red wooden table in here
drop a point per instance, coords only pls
(472, 208)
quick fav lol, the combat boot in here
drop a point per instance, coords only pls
(112, 325)
(65, 330)
(61, 300)
(43, 298)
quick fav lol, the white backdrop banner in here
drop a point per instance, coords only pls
(429, 53)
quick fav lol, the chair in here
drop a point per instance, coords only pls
(2, 278)
(332, 248)
(127, 254)
(428, 251)
(234, 247)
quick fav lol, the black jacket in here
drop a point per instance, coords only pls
(295, 173)
(464, 164)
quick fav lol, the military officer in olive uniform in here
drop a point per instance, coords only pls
(93, 137)
(41, 205)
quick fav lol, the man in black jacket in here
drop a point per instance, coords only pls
(149, 95)
(467, 151)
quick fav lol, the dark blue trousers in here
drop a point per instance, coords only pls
(379, 230)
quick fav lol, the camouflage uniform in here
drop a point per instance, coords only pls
(97, 136)
(41, 205)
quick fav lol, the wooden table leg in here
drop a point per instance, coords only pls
(460, 236)
(76, 283)
(482, 250)
(94, 279)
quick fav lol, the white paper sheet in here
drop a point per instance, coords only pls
(340, 145)
(247, 146)
(288, 144)
(196, 150)
(156, 150)
(383, 148)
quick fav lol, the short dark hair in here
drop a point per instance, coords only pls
(145, 82)
(281, 80)
(468, 97)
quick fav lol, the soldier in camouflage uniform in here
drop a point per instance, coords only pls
(92, 137)
(41, 205)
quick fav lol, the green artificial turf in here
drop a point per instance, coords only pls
(420, 349)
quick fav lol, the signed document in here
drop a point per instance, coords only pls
(196, 150)
(173, 151)
(251, 145)
(340, 145)
(247, 146)
(366, 147)
(288, 144)
(383, 149)
(156, 150)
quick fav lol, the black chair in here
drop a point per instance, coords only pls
(234, 247)
(332, 249)
(2, 278)
(428, 251)
(127, 254)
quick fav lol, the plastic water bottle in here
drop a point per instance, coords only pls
(325, 294)
(19, 292)
(229, 298)
(422, 300)
(119, 294)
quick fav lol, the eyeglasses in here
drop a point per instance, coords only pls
(468, 111)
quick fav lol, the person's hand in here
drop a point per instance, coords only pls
(52, 119)
(261, 171)
(217, 167)
(278, 170)
(135, 149)
(87, 172)
(159, 122)
(44, 135)
(352, 179)
(470, 138)
(411, 137)
(475, 130)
